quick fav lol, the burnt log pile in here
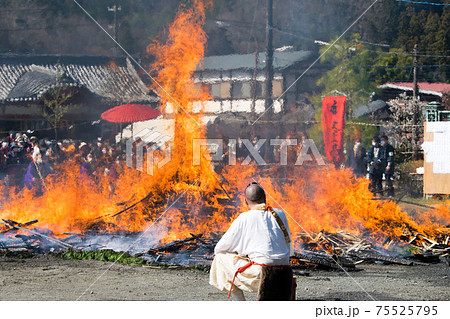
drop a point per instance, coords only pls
(193, 250)
(38, 241)
(403, 251)
(340, 251)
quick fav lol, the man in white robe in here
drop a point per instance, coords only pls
(254, 236)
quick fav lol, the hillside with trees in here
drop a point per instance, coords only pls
(233, 26)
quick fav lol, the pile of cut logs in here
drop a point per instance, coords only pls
(323, 250)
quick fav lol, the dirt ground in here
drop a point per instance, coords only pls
(46, 278)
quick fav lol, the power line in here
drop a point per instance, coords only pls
(403, 66)
(436, 52)
(243, 25)
(409, 54)
(424, 2)
(434, 56)
(371, 43)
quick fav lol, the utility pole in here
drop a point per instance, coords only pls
(269, 57)
(255, 82)
(415, 87)
(114, 9)
(415, 102)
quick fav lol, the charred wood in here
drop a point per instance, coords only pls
(57, 241)
(322, 262)
(425, 259)
(31, 222)
(174, 245)
(371, 256)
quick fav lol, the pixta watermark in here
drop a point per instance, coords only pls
(231, 152)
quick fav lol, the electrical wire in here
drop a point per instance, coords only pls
(407, 54)
(403, 66)
(425, 3)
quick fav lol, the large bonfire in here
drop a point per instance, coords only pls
(187, 198)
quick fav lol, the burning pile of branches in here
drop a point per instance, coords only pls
(323, 250)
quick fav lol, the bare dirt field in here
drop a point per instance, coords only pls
(47, 277)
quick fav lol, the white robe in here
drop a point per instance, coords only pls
(254, 235)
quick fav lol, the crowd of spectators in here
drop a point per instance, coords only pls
(26, 160)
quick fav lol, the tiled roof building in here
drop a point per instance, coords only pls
(26, 78)
(96, 82)
(427, 91)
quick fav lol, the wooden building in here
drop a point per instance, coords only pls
(428, 92)
(236, 82)
(96, 83)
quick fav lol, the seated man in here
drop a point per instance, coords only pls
(258, 238)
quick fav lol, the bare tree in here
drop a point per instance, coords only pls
(56, 104)
(407, 119)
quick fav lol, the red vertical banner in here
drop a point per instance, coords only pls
(333, 110)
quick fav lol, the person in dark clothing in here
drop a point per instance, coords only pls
(388, 164)
(375, 158)
(86, 169)
(356, 158)
(261, 150)
(241, 150)
(4, 149)
(37, 171)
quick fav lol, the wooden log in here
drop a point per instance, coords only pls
(425, 259)
(13, 246)
(57, 241)
(327, 263)
(342, 260)
(432, 242)
(328, 239)
(412, 239)
(358, 246)
(339, 240)
(202, 257)
(174, 245)
(371, 256)
(31, 222)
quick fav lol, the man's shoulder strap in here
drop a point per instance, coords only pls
(281, 224)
